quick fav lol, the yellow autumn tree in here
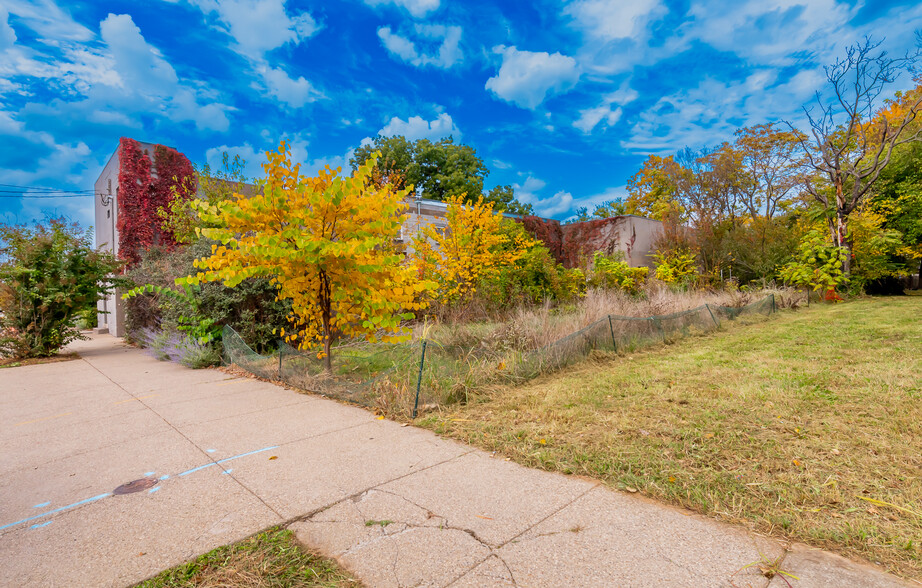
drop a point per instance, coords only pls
(327, 243)
(471, 249)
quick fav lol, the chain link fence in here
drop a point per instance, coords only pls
(423, 374)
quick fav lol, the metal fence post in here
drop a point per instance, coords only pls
(612, 329)
(281, 351)
(713, 318)
(774, 309)
(419, 379)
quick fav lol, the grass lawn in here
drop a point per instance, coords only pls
(271, 559)
(806, 426)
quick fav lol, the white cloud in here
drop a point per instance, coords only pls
(259, 26)
(527, 193)
(416, 127)
(702, 116)
(604, 112)
(526, 78)
(137, 63)
(448, 54)
(612, 19)
(590, 117)
(293, 92)
(48, 20)
(7, 34)
(417, 8)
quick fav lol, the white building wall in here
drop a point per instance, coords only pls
(110, 316)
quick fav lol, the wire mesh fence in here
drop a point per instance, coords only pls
(422, 374)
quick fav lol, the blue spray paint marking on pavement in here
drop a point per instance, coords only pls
(42, 505)
(228, 471)
(154, 489)
(60, 509)
(149, 474)
(165, 477)
(211, 450)
(208, 465)
(40, 525)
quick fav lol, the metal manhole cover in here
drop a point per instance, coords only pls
(136, 486)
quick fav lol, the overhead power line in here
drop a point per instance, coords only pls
(17, 191)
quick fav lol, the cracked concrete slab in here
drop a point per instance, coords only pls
(494, 498)
(492, 572)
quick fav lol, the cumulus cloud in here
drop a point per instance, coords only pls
(416, 127)
(526, 78)
(447, 54)
(612, 19)
(259, 26)
(417, 8)
(293, 92)
(527, 193)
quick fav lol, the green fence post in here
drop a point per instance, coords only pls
(612, 329)
(419, 379)
(774, 310)
(713, 318)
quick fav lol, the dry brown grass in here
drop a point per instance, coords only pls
(535, 327)
(806, 426)
(271, 559)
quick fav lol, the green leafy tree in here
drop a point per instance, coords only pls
(437, 170)
(610, 209)
(50, 276)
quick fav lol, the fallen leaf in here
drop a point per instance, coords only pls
(273, 457)
(797, 463)
(542, 441)
(483, 517)
(381, 418)
(709, 435)
(835, 452)
(630, 489)
(672, 478)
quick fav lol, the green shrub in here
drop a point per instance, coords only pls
(251, 309)
(50, 278)
(612, 272)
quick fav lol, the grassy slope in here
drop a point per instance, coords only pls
(271, 559)
(793, 426)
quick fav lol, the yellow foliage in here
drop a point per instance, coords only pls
(326, 242)
(473, 248)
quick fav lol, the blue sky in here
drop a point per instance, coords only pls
(562, 99)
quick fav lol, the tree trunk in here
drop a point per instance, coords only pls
(841, 228)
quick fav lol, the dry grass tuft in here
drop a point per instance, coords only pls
(806, 426)
(271, 559)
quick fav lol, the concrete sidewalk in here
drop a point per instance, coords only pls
(396, 505)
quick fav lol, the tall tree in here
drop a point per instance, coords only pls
(327, 243)
(850, 145)
(438, 170)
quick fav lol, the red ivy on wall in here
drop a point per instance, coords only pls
(572, 244)
(145, 187)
